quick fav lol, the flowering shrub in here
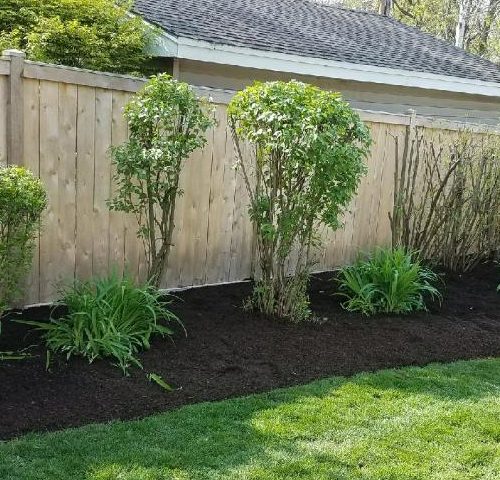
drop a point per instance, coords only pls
(167, 123)
(309, 147)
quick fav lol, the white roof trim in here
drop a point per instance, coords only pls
(248, 57)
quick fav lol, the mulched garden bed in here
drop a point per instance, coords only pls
(229, 352)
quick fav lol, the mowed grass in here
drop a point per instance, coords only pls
(438, 422)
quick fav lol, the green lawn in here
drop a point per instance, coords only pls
(438, 422)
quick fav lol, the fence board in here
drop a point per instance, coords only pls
(241, 253)
(116, 233)
(370, 185)
(221, 202)
(68, 97)
(102, 171)
(196, 214)
(178, 251)
(85, 181)
(32, 162)
(50, 261)
(382, 236)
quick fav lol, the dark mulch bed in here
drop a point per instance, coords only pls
(229, 352)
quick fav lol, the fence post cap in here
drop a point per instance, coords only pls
(14, 53)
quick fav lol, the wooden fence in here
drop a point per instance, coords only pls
(60, 122)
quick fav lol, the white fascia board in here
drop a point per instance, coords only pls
(251, 58)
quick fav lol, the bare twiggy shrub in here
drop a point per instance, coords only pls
(447, 196)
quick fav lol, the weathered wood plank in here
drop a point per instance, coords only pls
(116, 232)
(221, 203)
(77, 76)
(32, 162)
(66, 244)
(49, 165)
(242, 244)
(85, 181)
(197, 214)
(175, 266)
(102, 173)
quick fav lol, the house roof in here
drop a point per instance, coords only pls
(310, 29)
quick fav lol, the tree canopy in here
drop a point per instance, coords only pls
(480, 20)
(94, 34)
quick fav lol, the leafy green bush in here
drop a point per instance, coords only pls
(167, 123)
(390, 281)
(22, 201)
(306, 160)
(96, 34)
(108, 317)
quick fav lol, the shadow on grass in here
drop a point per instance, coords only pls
(332, 428)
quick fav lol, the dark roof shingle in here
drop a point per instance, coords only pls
(311, 29)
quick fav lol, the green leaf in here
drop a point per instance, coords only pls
(153, 377)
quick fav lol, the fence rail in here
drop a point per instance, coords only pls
(60, 122)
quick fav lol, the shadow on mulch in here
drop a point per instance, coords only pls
(229, 352)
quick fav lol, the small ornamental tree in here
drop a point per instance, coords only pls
(167, 122)
(308, 148)
(22, 201)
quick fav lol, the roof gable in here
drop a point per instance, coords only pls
(310, 29)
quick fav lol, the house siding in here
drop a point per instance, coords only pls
(366, 96)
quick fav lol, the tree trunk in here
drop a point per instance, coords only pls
(486, 26)
(461, 24)
(385, 8)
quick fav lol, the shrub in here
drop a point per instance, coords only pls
(167, 123)
(446, 200)
(389, 281)
(307, 159)
(22, 201)
(108, 317)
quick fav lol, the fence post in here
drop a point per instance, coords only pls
(413, 117)
(412, 125)
(15, 107)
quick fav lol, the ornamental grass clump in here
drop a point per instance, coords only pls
(167, 122)
(22, 201)
(108, 317)
(387, 281)
(300, 150)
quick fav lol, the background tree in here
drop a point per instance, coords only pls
(94, 34)
(308, 148)
(470, 24)
(166, 123)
